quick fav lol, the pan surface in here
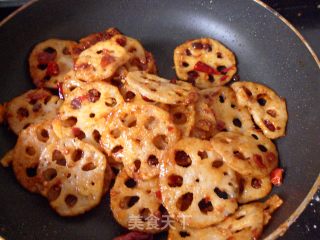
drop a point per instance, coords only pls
(268, 51)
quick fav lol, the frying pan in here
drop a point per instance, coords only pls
(269, 51)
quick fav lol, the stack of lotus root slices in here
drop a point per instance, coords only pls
(189, 155)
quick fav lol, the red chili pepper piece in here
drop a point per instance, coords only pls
(60, 90)
(158, 195)
(276, 176)
(223, 78)
(202, 67)
(52, 69)
(135, 236)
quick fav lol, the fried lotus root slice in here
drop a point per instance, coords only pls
(7, 159)
(205, 126)
(140, 59)
(31, 107)
(100, 61)
(183, 117)
(139, 136)
(161, 90)
(26, 153)
(135, 203)
(83, 111)
(268, 110)
(248, 154)
(269, 206)
(252, 188)
(72, 173)
(49, 61)
(205, 61)
(195, 182)
(88, 41)
(230, 116)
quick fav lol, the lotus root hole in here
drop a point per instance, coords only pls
(137, 165)
(96, 135)
(254, 136)
(217, 163)
(144, 213)
(272, 113)
(221, 98)
(59, 158)
(185, 64)
(92, 115)
(129, 121)
(42, 135)
(182, 159)
(77, 155)
(129, 96)
(93, 95)
(69, 122)
(256, 183)
(184, 201)
(110, 102)
(49, 174)
(32, 171)
(261, 100)
(247, 91)
(239, 155)
(153, 160)
(22, 112)
(160, 141)
(117, 149)
(221, 194)
(130, 183)
(128, 202)
(71, 200)
(150, 123)
(175, 180)
(262, 148)
(30, 150)
(88, 167)
(203, 154)
(205, 206)
(54, 193)
(184, 234)
(237, 122)
(179, 118)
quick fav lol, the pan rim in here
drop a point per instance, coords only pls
(283, 227)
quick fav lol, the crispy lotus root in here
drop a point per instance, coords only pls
(248, 154)
(69, 83)
(100, 61)
(195, 182)
(49, 61)
(268, 110)
(139, 136)
(83, 111)
(33, 106)
(7, 159)
(72, 173)
(252, 188)
(205, 61)
(140, 59)
(161, 90)
(88, 41)
(205, 126)
(246, 223)
(136, 203)
(26, 153)
(230, 116)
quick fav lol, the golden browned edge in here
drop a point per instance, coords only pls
(280, 231)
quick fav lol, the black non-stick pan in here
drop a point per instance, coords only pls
(269, 50)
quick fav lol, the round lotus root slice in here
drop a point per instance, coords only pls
(26, 153)
(248, 154)
(7, 159)
(83, 111)
(268, 110)
(139, 136)
(230, 116)
(88, 41)
(252, 188)
(49, 61)
(100, 61)
(161, 90)
(140, 59)
(136, 204)
(195, 182)
(73, 176)
(70, 83)
(205, 62)
(205, 126)
(31, 107)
